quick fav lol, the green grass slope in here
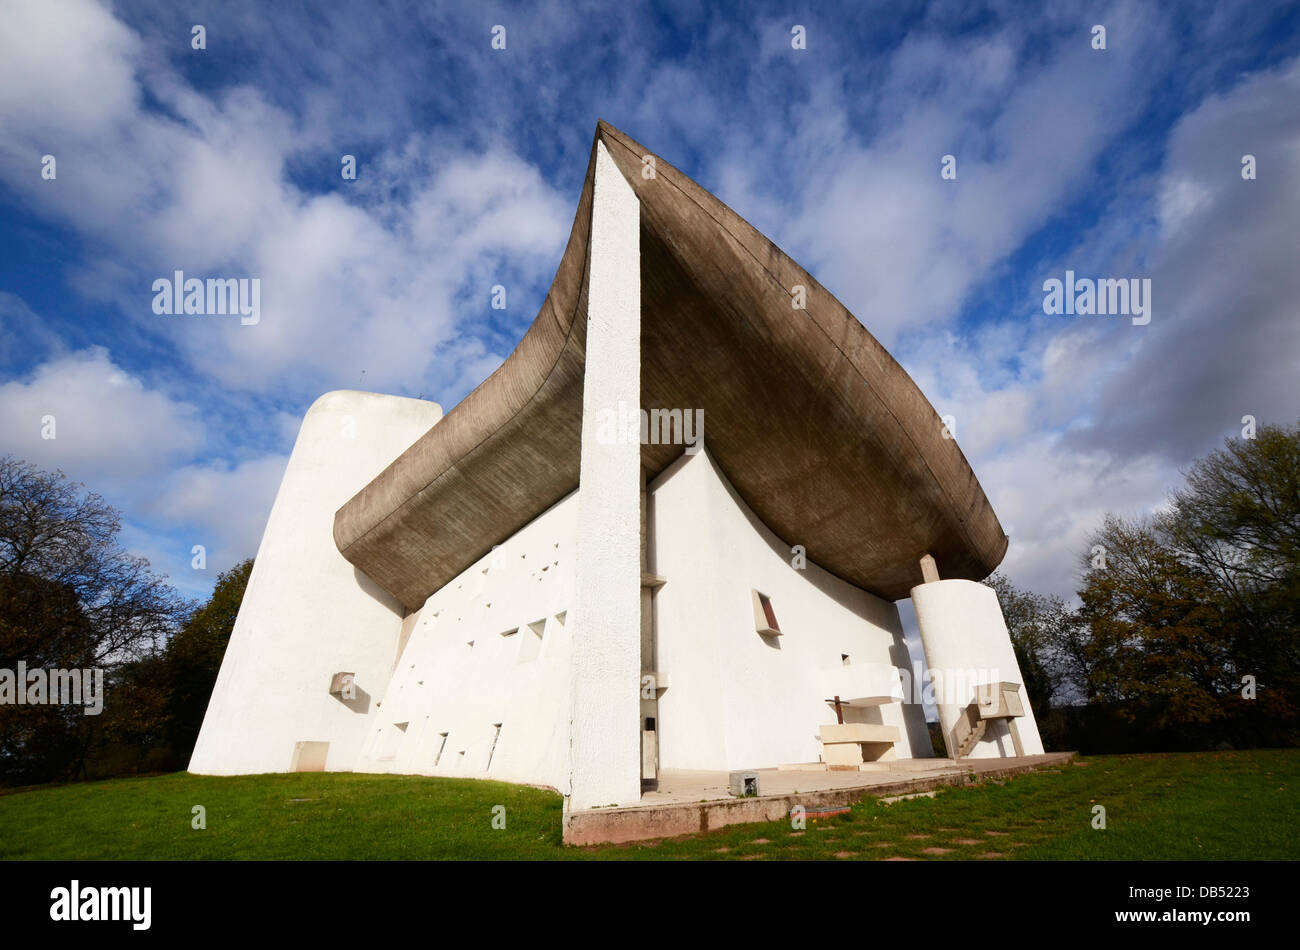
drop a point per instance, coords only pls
(1222, 805)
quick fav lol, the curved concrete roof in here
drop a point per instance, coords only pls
(818, 428)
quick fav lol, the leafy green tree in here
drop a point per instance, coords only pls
(193, 657)
(1237, 521)
(1031, 620)
(1051, 644)
(1158, 638)
(139, 721)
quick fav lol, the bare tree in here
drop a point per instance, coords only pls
(70, 598)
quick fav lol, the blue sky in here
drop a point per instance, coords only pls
(225, 161)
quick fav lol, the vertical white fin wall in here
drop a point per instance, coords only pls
(605, 737)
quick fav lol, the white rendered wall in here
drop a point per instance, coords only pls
(444, 685)
(737, 699)
(605, 756)
(307, 613)
(965, 639)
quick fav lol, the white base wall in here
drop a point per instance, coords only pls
(502, 707)
(734, 701)
(737, 699)
(443, 685)
(307, 613)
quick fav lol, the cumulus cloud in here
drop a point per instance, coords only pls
(1100, 415)
(107, 427)
(926, 242)
(220, 506)
(136, 446)
(1224, 339)
(350, 281)
(64, 65)
(1051, 498)
(469, 165)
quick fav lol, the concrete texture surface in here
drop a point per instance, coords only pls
(605, 732)
(819, 429)
(691, 802)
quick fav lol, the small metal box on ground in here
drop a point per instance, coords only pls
(744, 784)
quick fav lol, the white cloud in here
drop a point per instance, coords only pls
(377, 283)
(1101, 415)
(1050, 499)
(133, 445)
(222, 507)
(64, 65)
(902, 247)
(1224, 338)
(109, 427)
(1062, 419)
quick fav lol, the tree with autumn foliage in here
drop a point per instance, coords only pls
(70, 598)
(1159, 640)
(1193, 615)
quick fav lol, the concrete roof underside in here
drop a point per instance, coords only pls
(819, 429)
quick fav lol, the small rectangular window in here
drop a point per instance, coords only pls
(764, 616)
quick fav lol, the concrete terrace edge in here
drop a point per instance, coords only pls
(647, 822)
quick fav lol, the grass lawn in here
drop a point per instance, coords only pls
(1213, 805)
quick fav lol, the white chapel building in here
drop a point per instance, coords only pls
(668, 532)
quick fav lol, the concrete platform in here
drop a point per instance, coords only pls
(691, 802)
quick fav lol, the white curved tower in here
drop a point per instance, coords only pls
(974, 670)
(307, 613)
